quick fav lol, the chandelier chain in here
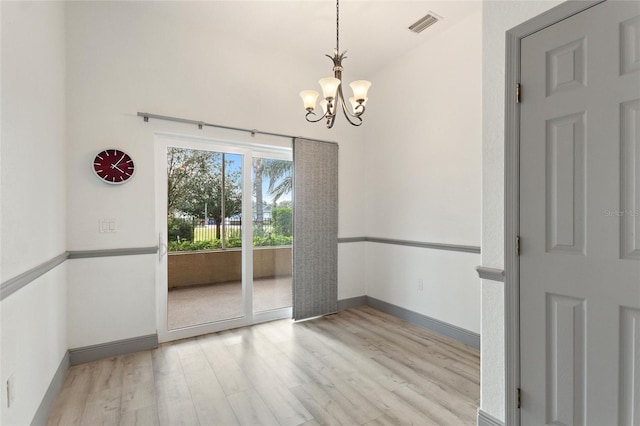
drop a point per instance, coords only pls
(338, 26)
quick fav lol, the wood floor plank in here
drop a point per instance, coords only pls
(209, 400)
(425, 365)
(348, 397)
(79, 376)
(137, 397)
(138, 388)
(68, 408)
(165, 361)
(284, 406)
(208, 397)
(107, 375)
(175, 406)
(382, 421)
(418, 345)
(389, 403)
(441, 393)
(257, 370)
(250, 409)
(357, 367)
(288, 372)
(440, 414)
(324, 409)
(141, 417)
(137, 368)
(311, 422)
(228, 372)
(354, 358)
(103, 407)
(70, 403)
(436, 341)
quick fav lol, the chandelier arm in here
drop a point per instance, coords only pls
(330, 120)
(348, 115)
(313, 113)
(345, 108)
(358, 123)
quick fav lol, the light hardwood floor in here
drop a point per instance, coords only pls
(358, 367)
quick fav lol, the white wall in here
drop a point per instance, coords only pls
(33, 135)
(169, 58)
(498, 17)
(423, 147)
(33, 200)
(34, 342)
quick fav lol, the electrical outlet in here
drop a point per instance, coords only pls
(420, 284)
(107, 226)
(11, 390)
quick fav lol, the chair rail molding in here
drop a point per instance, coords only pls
(490, 273)
(410, 243)
(18, 282)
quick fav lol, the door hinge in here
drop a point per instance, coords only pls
(518, 245)
(519, 396)
(517, 93)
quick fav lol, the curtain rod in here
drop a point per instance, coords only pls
(146, 116)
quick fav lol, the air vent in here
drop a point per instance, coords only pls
(425, 22)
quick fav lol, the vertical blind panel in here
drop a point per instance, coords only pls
(315, 228)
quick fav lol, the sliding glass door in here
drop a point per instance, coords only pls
(204, 236)
(224, 214)
(272, 233)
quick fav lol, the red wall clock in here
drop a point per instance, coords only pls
(113, 166)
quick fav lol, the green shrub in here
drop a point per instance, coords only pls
(234, 242)
(273, 240)
(186, 245)
(282, 221)
(178, 228)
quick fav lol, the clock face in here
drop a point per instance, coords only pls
(113, 166)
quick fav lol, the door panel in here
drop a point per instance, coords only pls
(630, 140)
(565, 177)
(629, 366)
(630, 46)
(579, 264)
(272, 227)
(204, 263)
(566, 359)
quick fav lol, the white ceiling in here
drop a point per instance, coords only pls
(373, 32)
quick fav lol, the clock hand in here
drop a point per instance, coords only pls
(118, 162)
(117, 168)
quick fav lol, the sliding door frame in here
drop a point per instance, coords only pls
(248, 151)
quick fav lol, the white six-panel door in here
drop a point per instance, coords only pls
(580, 219)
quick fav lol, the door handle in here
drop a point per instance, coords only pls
(162, 247)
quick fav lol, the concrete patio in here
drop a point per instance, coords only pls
(201, 304)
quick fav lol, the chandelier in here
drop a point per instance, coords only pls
(332, 91)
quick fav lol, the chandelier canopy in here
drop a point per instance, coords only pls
(332, 91)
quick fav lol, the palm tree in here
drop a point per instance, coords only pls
(280, 177)
(258, 170)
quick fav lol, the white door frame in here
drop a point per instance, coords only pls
(247, 150)
(512, 193)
